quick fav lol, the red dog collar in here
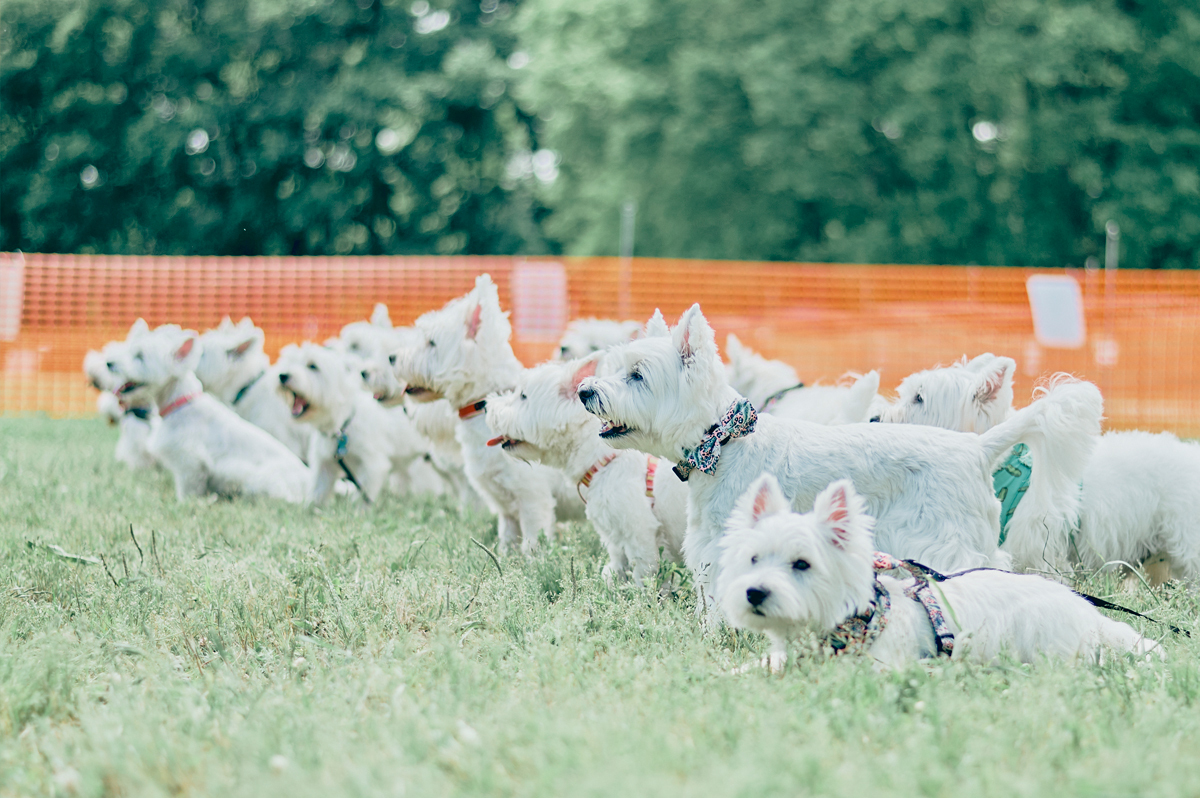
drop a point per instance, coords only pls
(178, 403)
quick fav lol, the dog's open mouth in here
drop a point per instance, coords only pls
(299, 405)
(504, 442)
(613, 429)
(129, 386)
(421, 394)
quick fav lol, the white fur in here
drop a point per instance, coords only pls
(463, 354)
(542, 421)
(584, 337)
(757, 378)
(1139, 492)
(231, 359)
(932, 493)
(135, 431)
(785, 574)
(325, 391)
(205, 445)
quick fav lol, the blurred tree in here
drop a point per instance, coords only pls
(262, 127)
(928, 131)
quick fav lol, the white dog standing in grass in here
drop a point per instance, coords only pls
(783, 574)
(1139, 493)
(135, 418)
(206, 446)
(633, 500)
(774, 387)
(355, 437)
(667, 394)
(463, 355)
(232, 367)
(584, 337)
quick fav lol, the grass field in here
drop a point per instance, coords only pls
(254, 649)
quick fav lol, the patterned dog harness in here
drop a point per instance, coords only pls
(859, 632)
(738, 421)
(1010, 482)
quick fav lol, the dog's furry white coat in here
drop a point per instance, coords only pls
(759, 379)
(136, 422)
(584, 337)
(203, 443)
(784, 574)
(542, 421)
(232, 368)
(326, 392)
(932, 493)
(1139, 490)
(463, 354)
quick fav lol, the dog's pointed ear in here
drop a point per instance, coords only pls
(246, 323)
(839, 508)
(139, 327)
(763, 498)
(994, 381)
(733, 347)
(656, 327)
(380, 317)
(585, 370)
(693, 336)
(185, 348)
(979, 362)
(226, 324)
(474, 321)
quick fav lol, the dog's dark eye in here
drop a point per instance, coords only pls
(139, 356)
(564, 350)
(635, 376)
(432, 342)
(917, 400)
(523, 397)
(754, 560)
(800, 565)
(313, 366)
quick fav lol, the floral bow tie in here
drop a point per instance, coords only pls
(738, 421)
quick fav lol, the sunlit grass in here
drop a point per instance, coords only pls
(254, 649)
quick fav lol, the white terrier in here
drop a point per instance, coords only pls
(587, 336)
(463, 355)
(136, 422)
(232, 366)
(633, 500)
(206, 446)
(355, 437)
(773, 386)
(666, 394)
(784, 574)
(1138, 495)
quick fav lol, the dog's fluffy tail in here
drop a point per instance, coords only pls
(1061, 429)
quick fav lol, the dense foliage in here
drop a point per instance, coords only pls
(940, 131)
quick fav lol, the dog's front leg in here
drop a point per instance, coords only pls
(324, 476)
(509, 531)
(776, 657)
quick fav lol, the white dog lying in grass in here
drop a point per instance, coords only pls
(773, 386)
(232, 367)
(784, 574)
(584, 337)
(355, 437)
(633, 500)
(463, 355)
(208, 447)
(667, 394)
(136, 422)
(1140, 491)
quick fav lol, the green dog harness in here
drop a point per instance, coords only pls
(1010, 483)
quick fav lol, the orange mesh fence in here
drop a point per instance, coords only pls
(824, 319)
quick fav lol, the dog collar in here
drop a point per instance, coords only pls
(586, 480)
(922, 592)
(242, 391)
(859, 632)
(471, 410)
(738, 421)
(178, 403)
(770, 401)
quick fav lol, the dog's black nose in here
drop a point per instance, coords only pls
(875, 419)
(586, 394)
(756, 596)
(283, 378)
(111, 366)
(392, 359)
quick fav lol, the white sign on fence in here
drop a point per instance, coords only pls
(1057, 305)
(12, 294)
(539, 298)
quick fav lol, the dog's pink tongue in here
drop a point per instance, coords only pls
(298, 406)
(496, 441)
